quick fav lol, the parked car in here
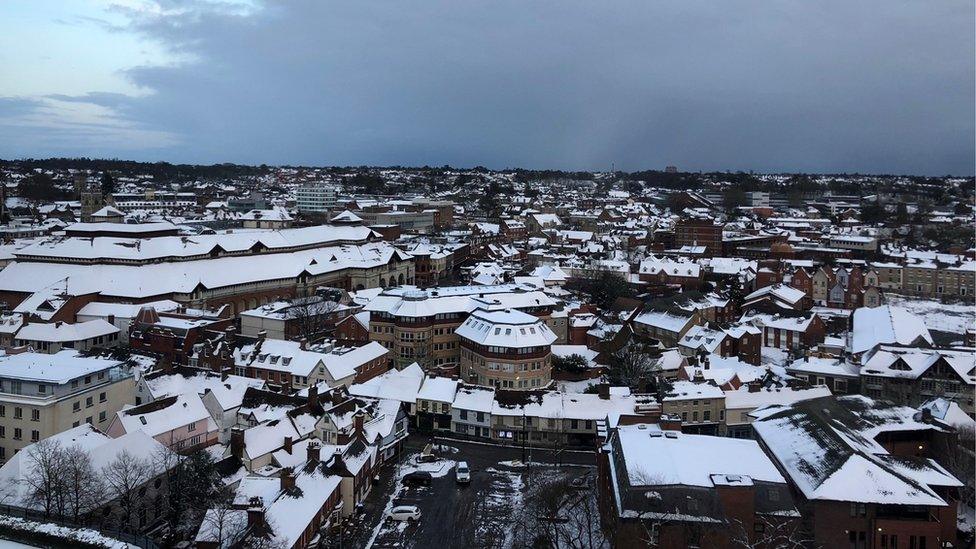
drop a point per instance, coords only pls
(408, 513)
(418, 478)
(462, 474)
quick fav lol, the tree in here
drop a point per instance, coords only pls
(124, 479)
(795, 198)
(45, 482)
(108, 184)
(193, 486)
(872, 212)
(775, 532)
(573, 364)
(901, 214)
(39, 187)
(606, 288)
(733, 197)
(83, 487)
(311, 316)
(632, 364)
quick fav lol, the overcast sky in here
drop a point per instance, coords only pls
(825, 86)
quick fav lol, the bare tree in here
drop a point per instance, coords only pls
(558, 513)
(45, 481)
(772, 532)
(83, 489)
(125, 479)
(224, 525)
(311, 316)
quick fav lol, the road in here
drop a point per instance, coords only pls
(479, 515)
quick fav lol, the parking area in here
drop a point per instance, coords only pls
(485, 513)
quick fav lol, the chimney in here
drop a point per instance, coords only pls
(230, 335)
(926, 415)
(237, 442)
(337, 458)
(262, 334)
(287, 444)
(358, 421)
(603, 390)
(255, 513)
(335, 397)
(754, 386)
(111, 319)
(302, 344)
(287, 479)
(314, 451)
(313, 395)
(670, 422)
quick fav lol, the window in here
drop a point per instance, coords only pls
(101, 416)
(76, 406)
(35, 436)
(41, 389)
(89, 402)
(18, 433)
(18, 413)
(3, 432)
(102, 397)
(707, 415)
(192, 426)
(35, 415)
(3, 411)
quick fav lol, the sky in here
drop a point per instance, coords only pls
(873, 86)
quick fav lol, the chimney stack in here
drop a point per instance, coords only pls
(287, 479)
(287, 444)
(603, 390)
(237, 442)
(337, 458)
(358, 421)
(303, 344)
(314, 451)
(255, 513)
(262, 335)
(670, 422)
(313, 395)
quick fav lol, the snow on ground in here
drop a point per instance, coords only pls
(577, 386)
(944, 317)
(966, 518)
(503, 499)
(437, 469)
(84, 535)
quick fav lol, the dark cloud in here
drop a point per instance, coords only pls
(882, 86)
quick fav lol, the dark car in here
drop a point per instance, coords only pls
(418, 478)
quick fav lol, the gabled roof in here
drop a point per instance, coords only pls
(887, 324)
(828, 448)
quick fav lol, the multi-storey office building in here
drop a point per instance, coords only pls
(508, 349)
(418, 325)
(317, 196)
(44, 394)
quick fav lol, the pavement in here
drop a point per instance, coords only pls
(478, 515)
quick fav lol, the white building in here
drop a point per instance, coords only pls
(317, 196)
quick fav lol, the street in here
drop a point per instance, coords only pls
(482, 514)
